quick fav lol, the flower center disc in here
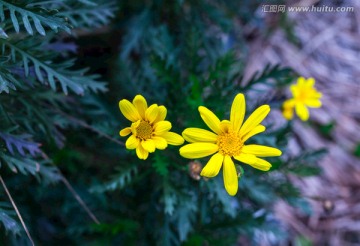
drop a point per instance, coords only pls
(229, 144)
(144, 130)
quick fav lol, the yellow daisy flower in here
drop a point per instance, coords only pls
(227, 141)
(304, 96)
(149, 129)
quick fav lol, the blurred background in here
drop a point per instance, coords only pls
(75, 183)
(323, 46)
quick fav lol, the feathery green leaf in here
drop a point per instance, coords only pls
(39, 16)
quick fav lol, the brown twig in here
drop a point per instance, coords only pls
(87, 126)
(16, 210)
(73, 192)
(79, 199)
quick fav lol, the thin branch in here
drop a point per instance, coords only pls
(73, 192)
(87, 126)
(17, 211)
(80, 201)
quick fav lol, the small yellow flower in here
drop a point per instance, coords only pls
(304, 96)
(149, 128)
(228, 140)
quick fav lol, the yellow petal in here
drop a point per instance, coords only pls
(160, 143)
(141, 153)
(302, 111)
(230, 176)
(261, 165)
(140, 104)
(246, 158)
(289, 103)
(134, 126)
(124, 132)
(132, 142)
(210, 119)
(316, 95)
(237, 112)
(301, 81)
(151, 113)
(313, 103)
(173, 138)
(161, 127)
(198, 150)
(255, 119)
(288, 113)
(258, 129)
(225, 126)
(310, 82)
(260, 150)
(294, 90)
(213, 166)
(129, 110)
(199, 135)
(161, 114)
(148, 145)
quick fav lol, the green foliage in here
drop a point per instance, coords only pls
(170, 200)
(20, 143)
(39, 16)
(3, 34)
(121, 226)
(88, 14)
(357, 150)
(56, 116)
(33, 110)
(270, 76)
(160, 165)
(119, 181)
(217, 189)
(302, 165)
(50, 74)
(185, 218)
(7, 218)
(303, 241)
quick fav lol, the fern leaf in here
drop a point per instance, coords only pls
(39, 16)
(282, 76)
(170, 200)
(93, 15)
(225, 200)
(49, 73)
(7, 82)
(6, 219)
(24, 165)
(21, 143)
(49, 173)
(184, 216)
(160, 165)
(36, 168)
(118, 182)
(3, 33)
